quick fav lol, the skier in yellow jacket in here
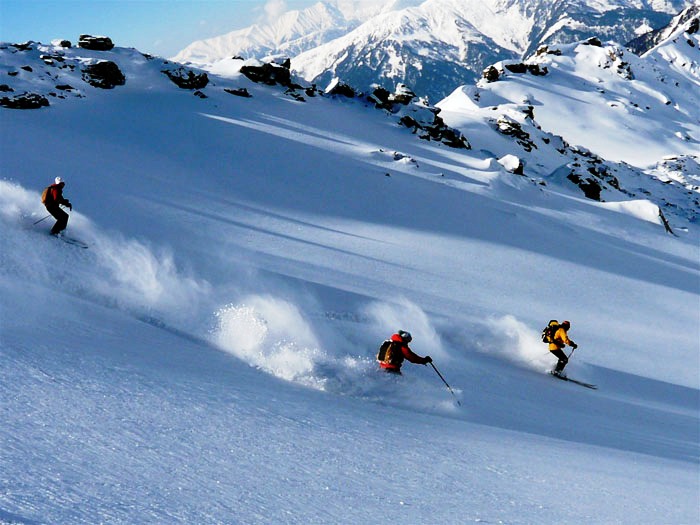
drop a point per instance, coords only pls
(559, 342)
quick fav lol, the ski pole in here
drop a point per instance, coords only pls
(443, 380)
(37, 222)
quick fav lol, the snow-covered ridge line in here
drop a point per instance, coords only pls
(432, 45)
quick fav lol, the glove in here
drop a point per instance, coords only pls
(574, 345)
(428, 359)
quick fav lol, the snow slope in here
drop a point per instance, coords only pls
(210, 357)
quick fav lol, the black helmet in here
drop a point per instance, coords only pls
(406, 336)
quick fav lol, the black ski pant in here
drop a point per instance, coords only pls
(61, 219)
(559, 353)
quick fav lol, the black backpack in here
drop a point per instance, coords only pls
(390, 352)
(549, 331)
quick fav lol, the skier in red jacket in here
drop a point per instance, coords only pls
(395, 350)
(53, 199)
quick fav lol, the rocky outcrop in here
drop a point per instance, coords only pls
(269, 73)
(491, 74)
(24, 101)
(26, 46)
(104, 74)
(591, 188)
(521, 68)
(337, 87)
(186, 78)
(241, 92)
(422, 118)
(512, 128)
(96, 43)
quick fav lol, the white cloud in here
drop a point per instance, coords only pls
(274, 9)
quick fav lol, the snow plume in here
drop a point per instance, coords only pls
(271, 334)
(405, 315)
(135, 274)
(512, 339)
(113, 272)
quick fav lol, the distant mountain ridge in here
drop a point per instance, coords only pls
(433, 46)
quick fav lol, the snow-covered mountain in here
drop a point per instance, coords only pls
(602, 108)
(209, 358)
(291, 33)
(433, 46)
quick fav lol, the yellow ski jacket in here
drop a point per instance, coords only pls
(561, 339)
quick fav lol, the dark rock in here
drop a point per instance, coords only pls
(490, 74)
(544, 50)
(26, 46)
(49, 59)
(516, 68)
(13, 73)
(340, 88)
(64, 87)
(402, 95)
(186, 78)
(409, 122)
(27, 68)
(241, 92)
(591, 188)
(65, 43)
(296, 96)
(4, 88)
(510, 127)
(269, 73)
(104, 74)
(454, 139)
(594, 41)
(199, 94)
(380, 97)
(694, 26)
(533, 69)
(95, 43)
(24, 101)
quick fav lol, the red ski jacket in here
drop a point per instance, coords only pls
(407, 354)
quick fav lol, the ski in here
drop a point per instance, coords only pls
(71, 240)
(587, 385)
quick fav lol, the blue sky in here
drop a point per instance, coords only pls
(159, 27)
